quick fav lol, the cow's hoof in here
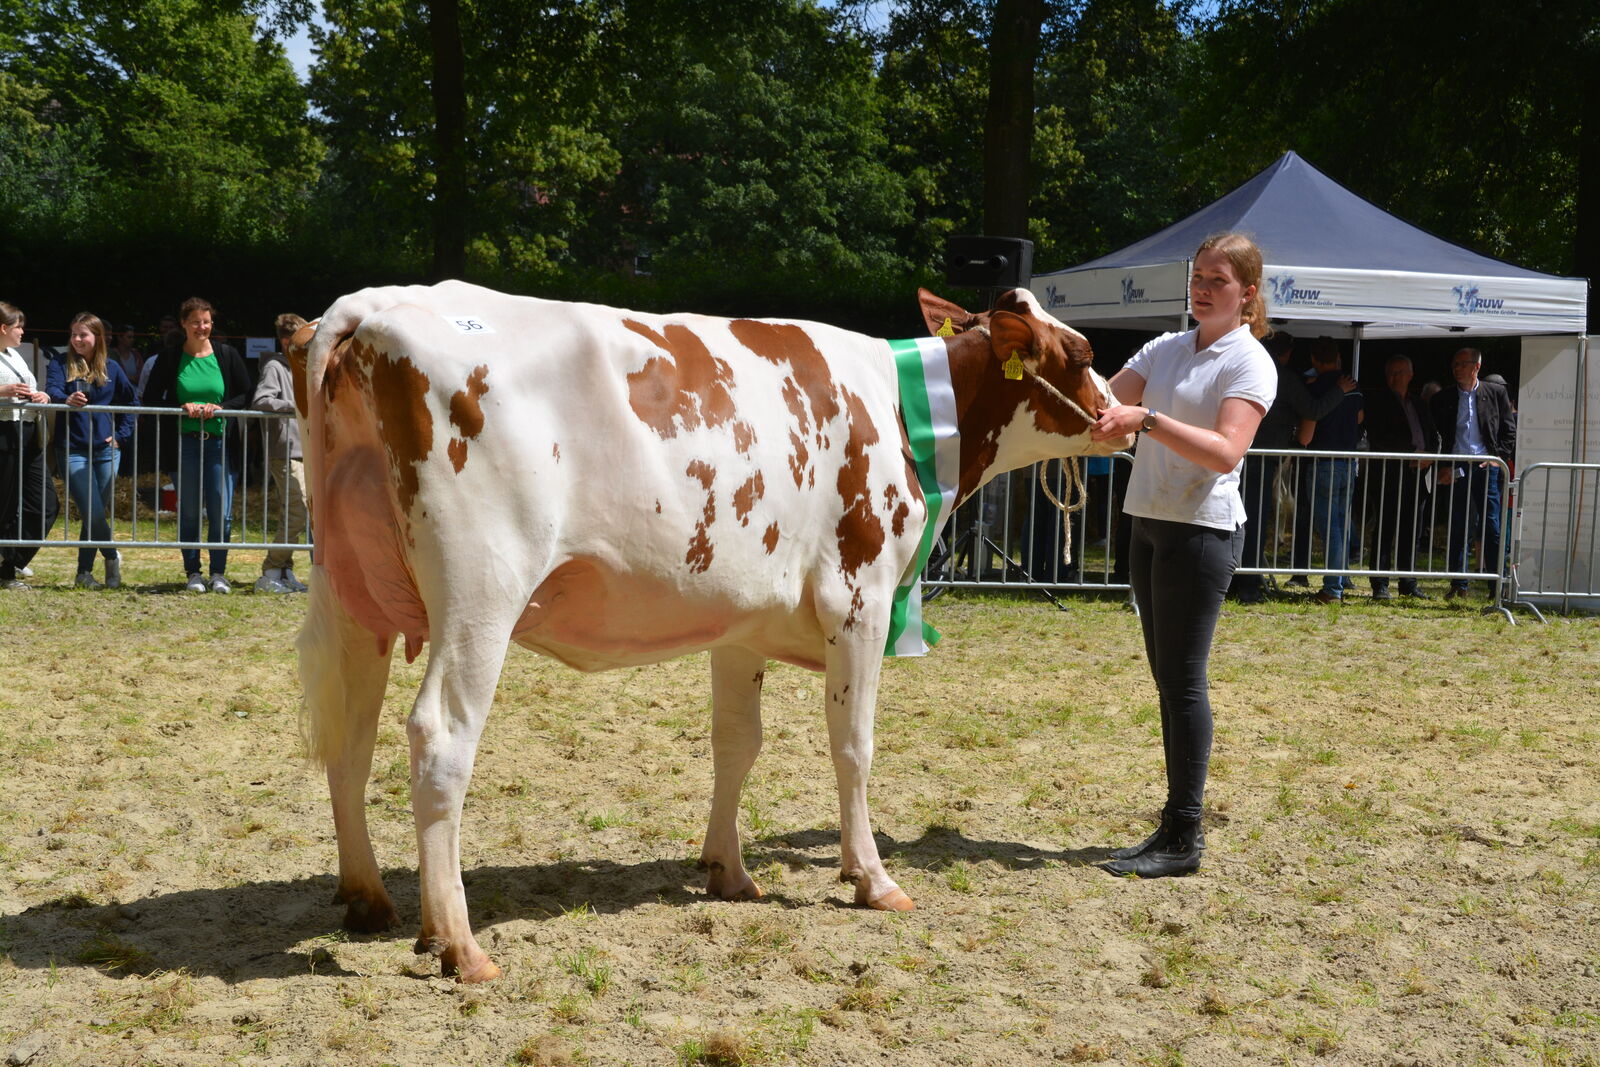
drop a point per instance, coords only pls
(368, 915)
(483, 972)
(894, 900)
(723, 887)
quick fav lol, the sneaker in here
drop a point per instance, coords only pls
(15, 585)
(24, 572)
(290, 582)
(1327, 596)
(1380, 591)
(114, 572)
(1298, 581)
(219, 584)
(196, 584)
(87, 580)
(268, 584)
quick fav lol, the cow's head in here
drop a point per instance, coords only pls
(1026, 381)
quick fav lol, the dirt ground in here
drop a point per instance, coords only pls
(1403, 861)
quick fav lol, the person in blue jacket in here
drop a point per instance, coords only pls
(82, 376)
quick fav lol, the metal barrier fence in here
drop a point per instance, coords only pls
(1555, 560)
(1391, 512)
(148, 496)
(1399, 519)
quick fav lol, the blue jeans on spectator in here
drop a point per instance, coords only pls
(1330, 517)
(89, 483)
(203, 472)
(1475, 509)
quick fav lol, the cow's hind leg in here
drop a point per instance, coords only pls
(736, 676)
(854, 666)
(464, 664)
(344, 674)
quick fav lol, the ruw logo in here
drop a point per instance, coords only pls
(1284, 292)
(1053, 299)
(1130, 295)
(1468, 300)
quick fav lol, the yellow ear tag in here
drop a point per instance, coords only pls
(1013, 367)
(947, 330)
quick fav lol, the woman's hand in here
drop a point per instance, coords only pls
(199, 411)
(20, 391)
(1119, 421)
(77, 400)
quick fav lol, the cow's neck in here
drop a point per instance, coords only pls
(986, 403)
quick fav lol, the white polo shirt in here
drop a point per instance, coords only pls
(1190, 386)
(14, 369)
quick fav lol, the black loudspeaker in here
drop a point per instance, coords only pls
(988, 262)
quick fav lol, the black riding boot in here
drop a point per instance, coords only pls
(1154, 839)
(1173, 849)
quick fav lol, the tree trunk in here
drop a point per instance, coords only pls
(449, 134)
(1008, 123)
(1586, 250)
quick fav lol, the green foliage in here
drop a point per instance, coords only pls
(749, 156)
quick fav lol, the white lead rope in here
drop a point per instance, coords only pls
(1074, 477)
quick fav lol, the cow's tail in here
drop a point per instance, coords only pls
(330, 644)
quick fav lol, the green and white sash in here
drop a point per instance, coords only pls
(928, 405)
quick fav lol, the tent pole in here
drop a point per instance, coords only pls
(1355, 356)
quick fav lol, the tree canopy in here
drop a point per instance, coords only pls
(774, 156)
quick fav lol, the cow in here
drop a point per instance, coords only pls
(613, 488)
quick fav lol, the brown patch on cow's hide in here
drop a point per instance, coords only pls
(700, 549)
(399, 397)
(787, 343)
(856, 604)
(796, 405)
(687, 391)
(702, 472)
(466, 409)
(457, 451)
(897, 508)
(555, 451)
(859, 531)
(295, 353)
(797, 459)
(350, 361)
(745, 497)
(769, 540)
(658, 507)
(744, 435)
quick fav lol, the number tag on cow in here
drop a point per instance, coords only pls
(463, 324)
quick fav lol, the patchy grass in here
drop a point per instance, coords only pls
(1403, 849)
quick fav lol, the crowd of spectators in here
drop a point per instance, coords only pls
(200, 450)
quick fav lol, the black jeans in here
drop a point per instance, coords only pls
(1179, 574)
(28, 502)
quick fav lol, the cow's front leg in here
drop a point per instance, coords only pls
(736, 677)
(344, 674)
(445, 724)
(854, 665)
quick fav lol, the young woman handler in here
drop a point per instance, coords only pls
(1197, 397)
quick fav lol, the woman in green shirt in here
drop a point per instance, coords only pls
(202, 377)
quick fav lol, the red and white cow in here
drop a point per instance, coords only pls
(613, 488)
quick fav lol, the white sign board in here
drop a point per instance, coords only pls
(1558, 408)
(259, 347)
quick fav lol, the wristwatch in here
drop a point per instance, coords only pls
(1149, 422)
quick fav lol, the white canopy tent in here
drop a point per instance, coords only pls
(1338, 264)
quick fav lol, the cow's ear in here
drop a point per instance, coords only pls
(944, 318)
(295, 352)
(1013, 342)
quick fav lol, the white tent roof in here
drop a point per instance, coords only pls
(1332, 259)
